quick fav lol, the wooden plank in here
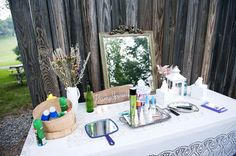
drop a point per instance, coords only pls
(145, 11)
(23, 24)
(230, 80)
(104, 15)
(210, 38)
(58, 29)
(217, 47)
(67, 15)
(224, 66)
(58, 24)
(118, 13)
(190, 37)
(76, 36)
(181, 19)
(91, 42)
(169, 31)
(158, 20)
(200, 40)
(44, 44)
(131, 12)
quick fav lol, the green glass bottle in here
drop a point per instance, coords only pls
(89, 100)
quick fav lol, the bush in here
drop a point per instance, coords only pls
(17, 52)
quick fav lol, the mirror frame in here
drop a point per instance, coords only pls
(149, 35)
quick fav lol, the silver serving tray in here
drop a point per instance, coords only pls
(148, 117)
(179, 107)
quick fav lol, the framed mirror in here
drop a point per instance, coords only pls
(127, 58)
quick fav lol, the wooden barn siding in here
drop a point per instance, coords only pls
(196, 35)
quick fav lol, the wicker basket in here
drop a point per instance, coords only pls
(58, 127)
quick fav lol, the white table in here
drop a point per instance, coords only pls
(200, 133)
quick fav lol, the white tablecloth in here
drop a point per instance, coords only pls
(199, 133)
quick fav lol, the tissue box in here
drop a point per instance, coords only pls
(162, 98)
(198, 92)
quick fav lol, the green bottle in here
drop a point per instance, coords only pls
(89, 100)
(63, 104)
(133, 100)
(39, 132)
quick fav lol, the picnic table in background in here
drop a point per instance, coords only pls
(18, 71)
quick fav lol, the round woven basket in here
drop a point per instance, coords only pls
(58, 127)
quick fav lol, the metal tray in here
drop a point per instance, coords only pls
(177, 107)
(146, 117)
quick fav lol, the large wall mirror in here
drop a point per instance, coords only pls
(126, 58)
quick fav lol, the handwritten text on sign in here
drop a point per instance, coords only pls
(112, 95)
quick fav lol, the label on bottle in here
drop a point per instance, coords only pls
(132, 108)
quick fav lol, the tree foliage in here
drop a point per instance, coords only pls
(6, 27)
(128, 61)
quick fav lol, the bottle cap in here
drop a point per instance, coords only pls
(37, 124)
(45, 115)
(138, 104)
(132, 91)
(52, 109)
(46, 112)
(53, 113)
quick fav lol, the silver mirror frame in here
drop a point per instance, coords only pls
(149, 35)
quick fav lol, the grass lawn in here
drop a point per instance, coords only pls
(7, 56)
(13, 97)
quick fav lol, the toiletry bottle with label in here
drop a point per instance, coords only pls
(89, 100)
(133, 100)
(39, 132)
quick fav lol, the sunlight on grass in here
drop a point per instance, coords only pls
(12, 96)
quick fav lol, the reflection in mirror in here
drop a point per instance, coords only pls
(127, 58)
(101, 128)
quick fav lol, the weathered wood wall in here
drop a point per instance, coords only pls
(197, 35)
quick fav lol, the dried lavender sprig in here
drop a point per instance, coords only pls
(82, 71)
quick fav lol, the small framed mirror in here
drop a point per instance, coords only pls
(127, 58)
(102, 128)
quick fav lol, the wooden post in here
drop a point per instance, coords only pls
(210, 39)
(24, 29)
(190, 38)
(104, 15)
(145, 15)
(181, 19)
(44, 44)
(169, 31)
(58, 25)
(131, 12)
(118, 13)
(91, 42)
(158, 20)
(200, 40)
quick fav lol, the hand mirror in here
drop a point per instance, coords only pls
(102, 128)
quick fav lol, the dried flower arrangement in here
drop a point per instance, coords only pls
(69, 69)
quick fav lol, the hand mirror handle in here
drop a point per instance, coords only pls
(109, 140)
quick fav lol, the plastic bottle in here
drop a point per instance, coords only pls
(39, 132)
(133, 100)
(89, 100)
(53, 113)
(63, 104)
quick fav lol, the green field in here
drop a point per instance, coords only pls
(7, 56)
(13, 97)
